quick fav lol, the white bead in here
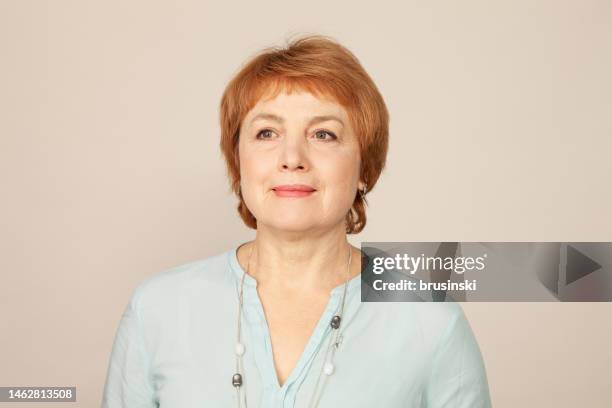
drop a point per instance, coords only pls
(328, 368)
(239, 349)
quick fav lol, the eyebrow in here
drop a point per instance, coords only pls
(313, 120)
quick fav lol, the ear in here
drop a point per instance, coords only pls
(361, 185)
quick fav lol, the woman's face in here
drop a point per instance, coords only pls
(298, 139)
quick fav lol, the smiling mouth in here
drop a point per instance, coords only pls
(294, 187)
(290, 191)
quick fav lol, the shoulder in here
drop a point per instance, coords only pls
(422, 323)
(166, 287)
(436, 318)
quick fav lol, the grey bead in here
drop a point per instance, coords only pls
(237, 380)
(335, 321)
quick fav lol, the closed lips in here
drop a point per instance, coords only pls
(294, 187)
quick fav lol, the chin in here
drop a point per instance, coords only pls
(292, 224)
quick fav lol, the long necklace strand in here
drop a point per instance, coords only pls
(237, 378)
(327, 367)
(329, 349)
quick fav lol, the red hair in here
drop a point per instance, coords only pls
(326, 69)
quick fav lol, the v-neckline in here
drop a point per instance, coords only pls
(312, 344)
(265, 357)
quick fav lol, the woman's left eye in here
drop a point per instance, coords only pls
(325, 133)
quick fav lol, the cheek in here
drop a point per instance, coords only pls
(340, 176)
(253, 166)
(343, 166)
(255, 171)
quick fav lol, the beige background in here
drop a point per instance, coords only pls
(110, 169)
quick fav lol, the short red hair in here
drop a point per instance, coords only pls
(325, 68)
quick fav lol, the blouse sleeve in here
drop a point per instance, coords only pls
(128, 383)
(458, 378)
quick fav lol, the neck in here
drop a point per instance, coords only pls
(300, 263)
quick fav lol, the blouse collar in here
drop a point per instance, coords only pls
(238, 273)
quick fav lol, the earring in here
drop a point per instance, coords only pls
(363, 191)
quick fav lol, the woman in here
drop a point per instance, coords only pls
(278, 321)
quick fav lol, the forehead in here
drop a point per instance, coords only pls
(297, 104)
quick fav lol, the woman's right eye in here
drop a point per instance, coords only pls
(265, 134)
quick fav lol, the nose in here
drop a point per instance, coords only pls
(293, 154)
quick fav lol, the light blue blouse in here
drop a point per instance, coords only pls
(174, 348)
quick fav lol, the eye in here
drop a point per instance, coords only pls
(265, 134)
(330, 135)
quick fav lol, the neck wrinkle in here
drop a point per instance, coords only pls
(308, 264)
